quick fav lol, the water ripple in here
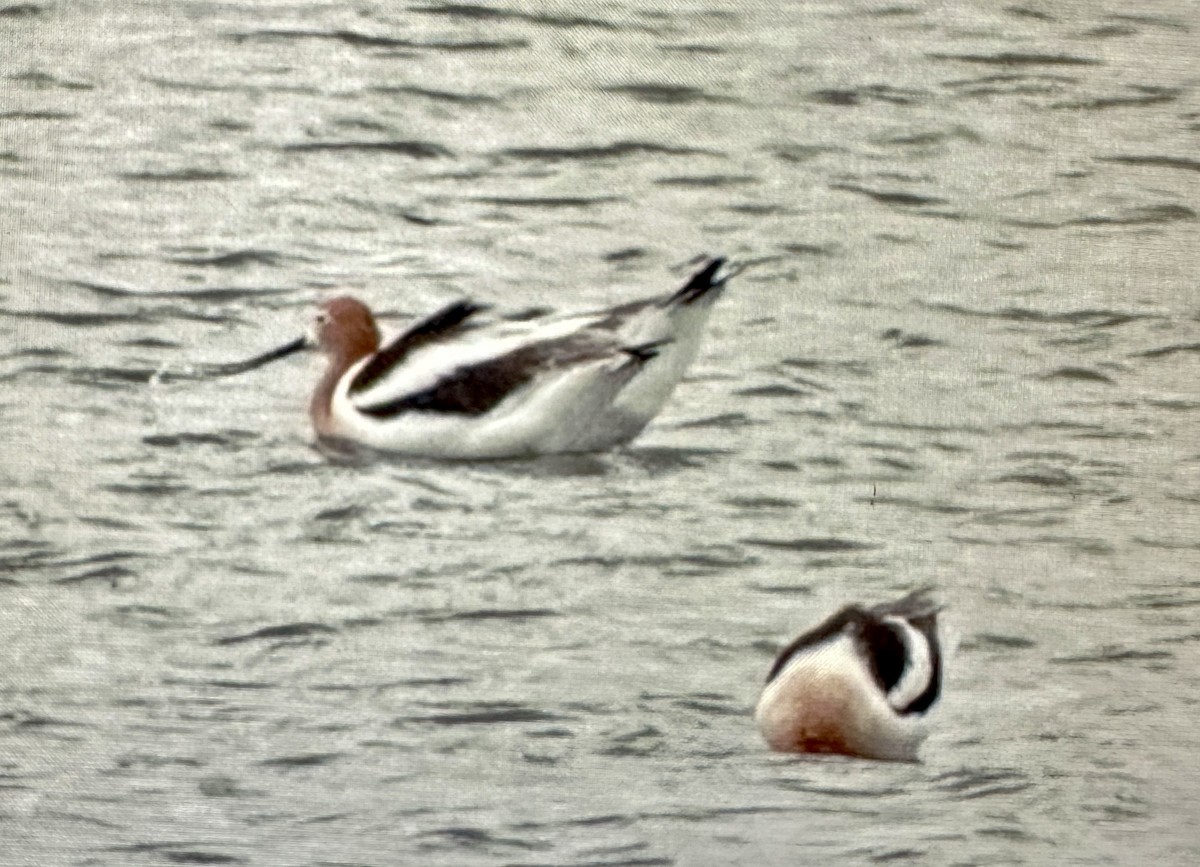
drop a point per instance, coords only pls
(567, 22)
(76, 320)
(663, 94)
(37, 114)
(1088, 318)
(1161, 162)
(700, 182)
(179, 853)
(303, 760)
(824, 545)
(971, 783)
(423, 150)
(46, 81)
(1078, 374)
(993, 641)
(1142, 95)
(484, 713)
(638, 743)
(21, 10)
(868, 93)
(615, 150)
(1151, 21)
(205, 294)
(232, 259)
(348, 37)
(287, 630)
(552, 202)
(229, 440)
(510, 614)
(190, 175)
(1170, 349)
(111, 575)
(447, 96)
(1013, 58)
(459, 837)
(1113, 653)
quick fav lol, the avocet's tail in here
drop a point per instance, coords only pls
(703, 284)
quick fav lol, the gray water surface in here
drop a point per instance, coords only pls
(965, 355)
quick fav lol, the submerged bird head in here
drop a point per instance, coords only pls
(858, 683)
(345, 330)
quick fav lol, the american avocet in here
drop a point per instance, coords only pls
(858, 684)
(448, 387)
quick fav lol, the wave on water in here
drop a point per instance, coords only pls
(468, 11)
(417, 149)
(476, 713)
(615, 150)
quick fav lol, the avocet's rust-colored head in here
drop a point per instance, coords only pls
(345, 330)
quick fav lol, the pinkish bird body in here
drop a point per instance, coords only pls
(858, 684)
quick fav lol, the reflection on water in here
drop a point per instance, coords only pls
(964, 356)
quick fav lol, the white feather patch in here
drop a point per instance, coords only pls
(918, 668)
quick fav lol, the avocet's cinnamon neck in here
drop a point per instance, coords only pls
(452, 386)
(858, 684)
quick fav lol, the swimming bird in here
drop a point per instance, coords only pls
(450, 386)
(858, 684)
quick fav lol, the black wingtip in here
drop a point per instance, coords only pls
(701, 284)
(450, 316)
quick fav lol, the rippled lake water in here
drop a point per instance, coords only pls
(966, 354)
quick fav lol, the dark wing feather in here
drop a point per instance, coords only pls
(476, 389)
(443, 324)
